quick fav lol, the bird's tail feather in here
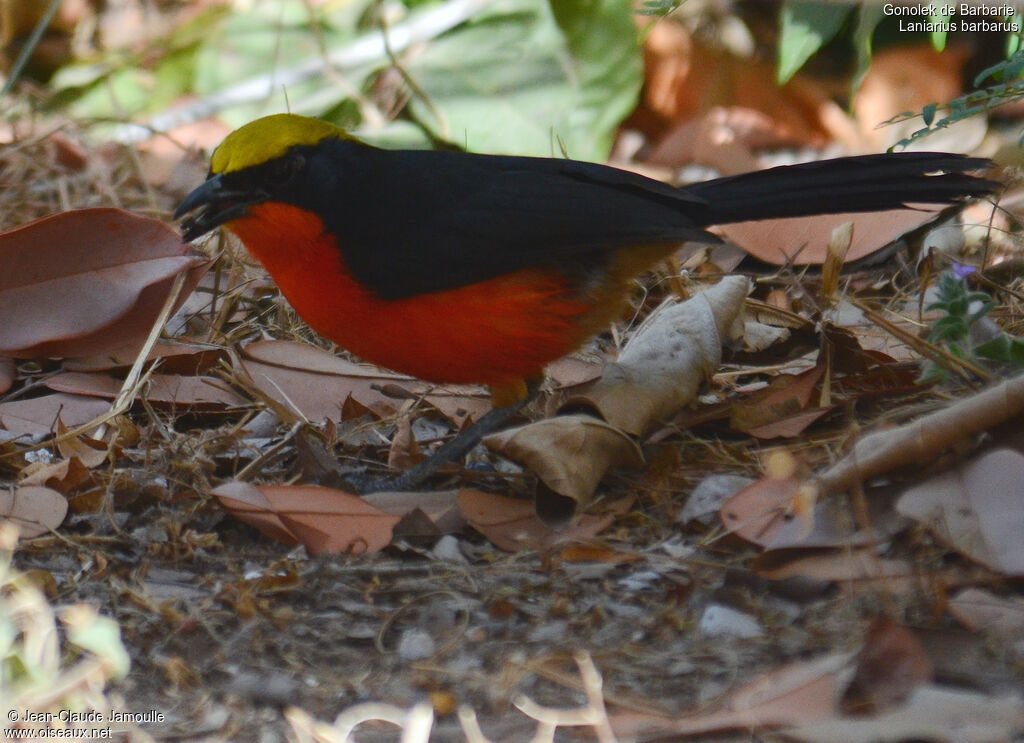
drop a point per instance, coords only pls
(848, 184)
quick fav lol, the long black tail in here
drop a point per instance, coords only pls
(848, 184)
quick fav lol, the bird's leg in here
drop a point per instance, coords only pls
(453, 450)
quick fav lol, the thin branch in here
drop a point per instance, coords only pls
(368, 48)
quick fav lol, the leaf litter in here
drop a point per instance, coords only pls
(474, 598)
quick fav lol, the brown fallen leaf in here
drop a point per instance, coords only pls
(781, 409)
(325, 520)
(977, 509)
(783, 512)
(932, 713)
(39, 415)
(685, 77)
(88, 451)
(908, 77)
(439, 507)
(715, 139)
(404, 452)
(87, 281)
(511, 524)
(569, 453)
(8, 373)
(892, 663)
(33, 509)
(159, 389)
(175, 358)
(63, 476)
(983, 611)
(317, 384)
(796, 694)
(805, 240)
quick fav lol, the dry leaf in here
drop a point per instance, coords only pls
(325, 520)
(159, 389)
(908, 77)
(404, 452)
(63, 476)
(34, 510)
(892, 663)
(88, 451)
(665, 362)
(38, 415)
(780, 408)
(190, 359)
(511, 524)
(760, 511)
(977, 509)
(805, 240)
(685, 77)
(570, 453)
(439, 507)
(795, 694)
(318, 384)
(983, 611)
(8, 373)
(87, 281)
(932, 713)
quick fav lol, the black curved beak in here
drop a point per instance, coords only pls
(216, 203)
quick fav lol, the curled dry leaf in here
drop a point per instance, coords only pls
(570, 453)
(325, 520)
(665, 362)
(658, 372)
(63, 476)
(86, 450)
(87, 281)
(977, 509)
(33, 509)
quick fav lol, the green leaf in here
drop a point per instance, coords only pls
(928, 113)
(806, 27)
(277, 36)
(939, 37)
(1003, 348)
(868, 18)
(524, 75)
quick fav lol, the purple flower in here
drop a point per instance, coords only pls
(960, 270)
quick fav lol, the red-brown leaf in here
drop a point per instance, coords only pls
(87, 281)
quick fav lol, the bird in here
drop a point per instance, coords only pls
(459, 267)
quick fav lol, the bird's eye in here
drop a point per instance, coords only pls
(282, 171)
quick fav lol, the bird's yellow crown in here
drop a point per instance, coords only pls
(267, 138)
